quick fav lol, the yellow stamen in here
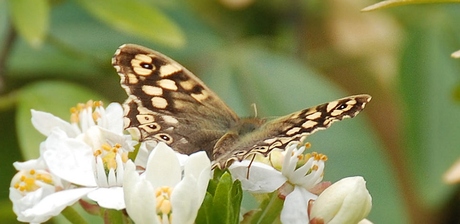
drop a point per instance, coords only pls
(98, 103)
(163, 207)
(106, 147)
(96, 115)
(29, 181)
(45, 178)
(75, 111)
(314, 168)
(97, 153)
(110, 161)
(124, 157)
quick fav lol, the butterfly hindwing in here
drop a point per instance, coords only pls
(291, 129)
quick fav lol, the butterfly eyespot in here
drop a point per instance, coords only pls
(146, 65)
(342, 106)
(164, 137)
(152, 127)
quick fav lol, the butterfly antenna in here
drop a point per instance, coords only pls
(249, 166)
(254, 106)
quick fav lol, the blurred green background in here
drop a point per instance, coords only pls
(282, 55)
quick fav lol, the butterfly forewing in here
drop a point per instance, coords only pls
(168, 103)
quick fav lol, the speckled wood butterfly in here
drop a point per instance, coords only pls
(168, 103)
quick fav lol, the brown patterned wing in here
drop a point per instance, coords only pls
(290, 129)
(168, 103)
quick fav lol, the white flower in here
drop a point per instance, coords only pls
(163, 193)
(345, 202)
(36, 193)
(83, 158)
(295, 184)
(83, 117)
(94, 161)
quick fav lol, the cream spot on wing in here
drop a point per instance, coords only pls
(170, 119)
(143, 110)
(152, 90)
(145, 118)
(143, 58)
(182, 141)
(187, 85)
(285, 140)
(336, 113)
(295, 115)
(200, 96)
(167, 84)
(270, 140)
(169, 69)
(309, 124)
(293, 130)
(137, 64)
(132, 79)
(142, 71)
(314, 116)
(331, 106)
(159, 102)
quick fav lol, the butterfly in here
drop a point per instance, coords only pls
(167, 103)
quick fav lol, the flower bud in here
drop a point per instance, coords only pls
(346, 201)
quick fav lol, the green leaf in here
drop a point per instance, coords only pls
(270, 209)
(113, 216)
(205, 212)
(50, 96)
(222, 202)
(394, 3)
(227, 200)
(30, 19)
(73, 216)
(432, 115)
(137, 18)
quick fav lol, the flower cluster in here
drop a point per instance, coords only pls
(297, 178)
(89, 160)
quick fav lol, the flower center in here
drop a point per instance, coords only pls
(109, 154)
(82, 108)
(164, 209)
(30, 180)
(108, 160)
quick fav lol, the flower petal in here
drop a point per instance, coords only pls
(139, 196)
(262, 178)
(112, 198)
(52, 205)
(112, 119)
(163, 168)
(45, 122)
(198, 166)
(185, 201)
(188, 194)
(69, 159)
(295, 209)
